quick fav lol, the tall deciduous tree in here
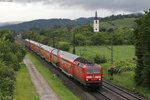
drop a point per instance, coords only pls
(142, 44)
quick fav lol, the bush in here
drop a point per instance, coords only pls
(124, 66)
(124, 63)
(5, 97)
(100, 59)
(64, 46)
(124, 69)
(7, 79)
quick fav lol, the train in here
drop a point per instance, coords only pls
(87, 73)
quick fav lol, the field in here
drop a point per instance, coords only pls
(55, 83)
(24, 87)
(125, 53)
(120, 52)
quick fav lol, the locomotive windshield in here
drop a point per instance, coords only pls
(93, 71)
(85, 62)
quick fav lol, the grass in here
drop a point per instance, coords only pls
(120, 52)
(24, 87)
(55, 83)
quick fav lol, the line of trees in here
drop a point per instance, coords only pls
(114, 17)
(11, 54)
(84, 35)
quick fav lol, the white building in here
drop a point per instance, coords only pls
(96, 23)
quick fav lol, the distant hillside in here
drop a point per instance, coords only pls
(84, 20)
(115, 17)
(119, 23)
(44, 24)
(9, 23)
(41, 23)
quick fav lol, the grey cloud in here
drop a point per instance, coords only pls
(127, 5)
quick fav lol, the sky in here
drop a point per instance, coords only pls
(26, 10)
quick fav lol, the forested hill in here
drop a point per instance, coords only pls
(41, 23)
(57, 23)
(45, 24)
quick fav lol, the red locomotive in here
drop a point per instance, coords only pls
(87, 73)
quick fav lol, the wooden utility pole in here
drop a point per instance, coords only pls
(74, 48)
(73, 42)
(111, 31)
(53, 40)
(29, 42)
(112, 50)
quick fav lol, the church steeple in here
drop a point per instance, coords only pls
(96, 15)
(96, 23)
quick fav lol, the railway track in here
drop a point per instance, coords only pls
(121, 92)
(109, 91)
(99, 96)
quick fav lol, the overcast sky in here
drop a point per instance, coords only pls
(25, 10)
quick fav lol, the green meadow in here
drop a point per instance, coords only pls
(24, 88)
(120, 52)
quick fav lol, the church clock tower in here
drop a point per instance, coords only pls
(96, 23)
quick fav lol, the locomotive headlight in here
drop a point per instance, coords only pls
(97, 76)
(88, 76)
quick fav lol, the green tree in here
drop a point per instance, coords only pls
(80, 39)
(118, 38)
(142, 44)
(64, 46)
(100, 38)
(6, 35)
